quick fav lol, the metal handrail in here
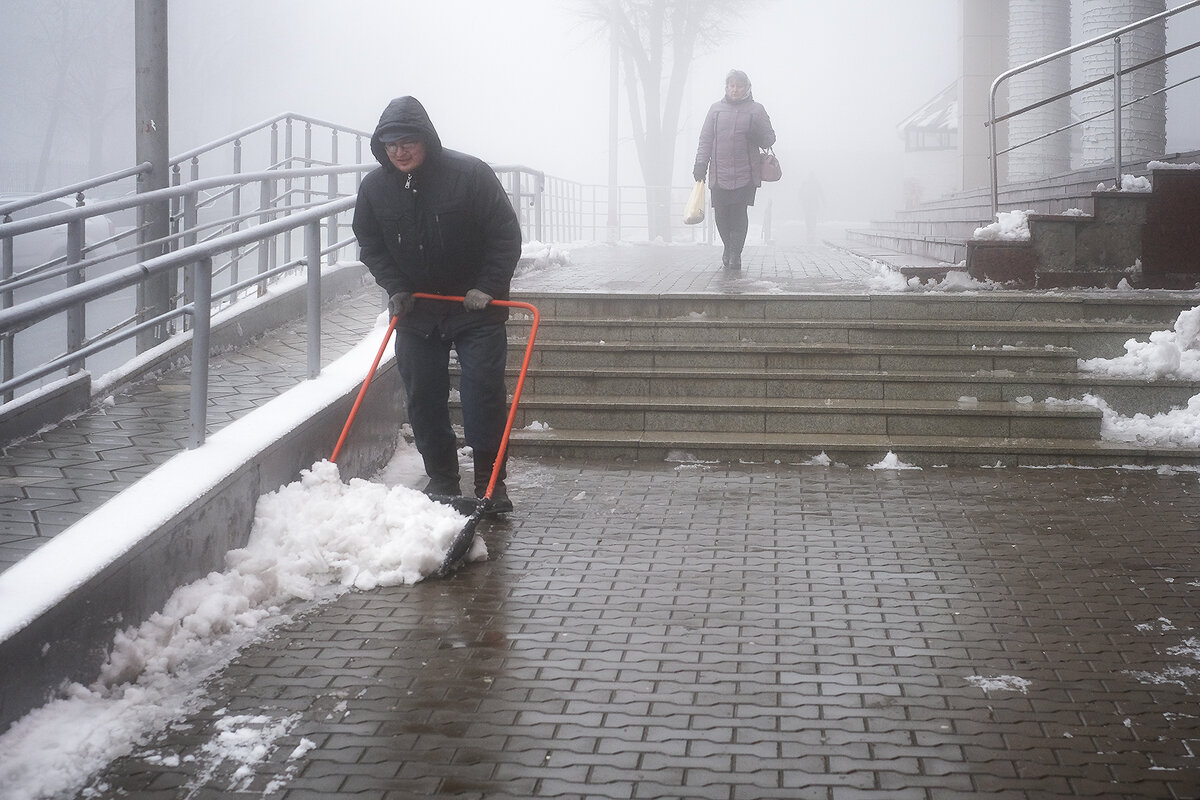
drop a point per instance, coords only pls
(199, 257)
(1118, 72)
(75, 188)
(20, 226)
(261, 126)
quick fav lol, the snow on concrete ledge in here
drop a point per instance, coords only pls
(60, 605)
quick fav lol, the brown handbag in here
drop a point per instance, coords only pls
(771, 171)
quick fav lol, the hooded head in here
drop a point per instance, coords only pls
(737, 86)
(404, 118)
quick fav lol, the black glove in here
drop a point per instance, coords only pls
(400, 304)
(699, 171)
(476, 300)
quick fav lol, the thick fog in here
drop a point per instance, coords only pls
(512, 81)
(515, 82)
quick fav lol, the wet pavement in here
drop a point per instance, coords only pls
(664, 630)
(682, 269)
(749, 631)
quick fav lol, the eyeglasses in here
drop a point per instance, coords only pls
(406, 145)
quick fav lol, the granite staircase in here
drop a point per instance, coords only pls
(934, 378)
(1080, 236)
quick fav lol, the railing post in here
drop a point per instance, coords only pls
(1117, 111)
(7, 341)
(331, 229)
(993, 158)
(176, 180)
(307, 162)
(264, 245)
(201, 315)
(539, 193)
(236, 209)
(312, 258)
(191, 215)
(76, 315)
(288, 185)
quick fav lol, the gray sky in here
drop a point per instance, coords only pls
(527, 80)
(512, 81)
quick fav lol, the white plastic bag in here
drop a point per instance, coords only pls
(693, 212)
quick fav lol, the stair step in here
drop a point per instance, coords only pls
(966, 307)
(827, 416)
(849, 449)
(932, 376)
(1084, 336)
(809, 355)
(1125, 395)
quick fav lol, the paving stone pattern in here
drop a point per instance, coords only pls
(50, 481)
(685, 631)
(654, 630)
(682, 269)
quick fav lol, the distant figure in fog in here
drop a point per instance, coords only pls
(734, 130)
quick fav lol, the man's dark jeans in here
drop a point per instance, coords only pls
(424, 368)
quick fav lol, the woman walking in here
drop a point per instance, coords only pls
(734, 130)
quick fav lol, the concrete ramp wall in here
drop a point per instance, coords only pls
(60, 606)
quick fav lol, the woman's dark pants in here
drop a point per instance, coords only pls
(733, 222)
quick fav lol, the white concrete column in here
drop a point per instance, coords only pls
(1144, 128)
(1037, 28)
(982, 52)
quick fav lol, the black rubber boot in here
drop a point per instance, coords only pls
(499, 503)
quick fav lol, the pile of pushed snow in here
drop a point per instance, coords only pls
(1179, 427)
(1009, 226)
(314, 533)
(1168, 354)
(537, 256)
(312, 539)
(892, 462)
(1129, 183)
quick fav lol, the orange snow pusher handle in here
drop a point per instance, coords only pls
(462, 542)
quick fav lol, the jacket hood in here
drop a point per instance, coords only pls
(407, 116)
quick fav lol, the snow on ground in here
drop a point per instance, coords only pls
(1173, 353)
(1000, 683)
(1009, 226)
(1167, 354)
(311, 540)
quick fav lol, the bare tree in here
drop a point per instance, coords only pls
(74, 61)
(658, 40)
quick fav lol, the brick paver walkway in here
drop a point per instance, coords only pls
(50, 481)
(723, 631)
(682, 269)
(749, 632)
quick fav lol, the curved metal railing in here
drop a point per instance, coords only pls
(1118, 72)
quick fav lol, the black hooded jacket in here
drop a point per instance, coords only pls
(449, 229)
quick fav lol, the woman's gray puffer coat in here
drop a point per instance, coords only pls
(730, 139)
